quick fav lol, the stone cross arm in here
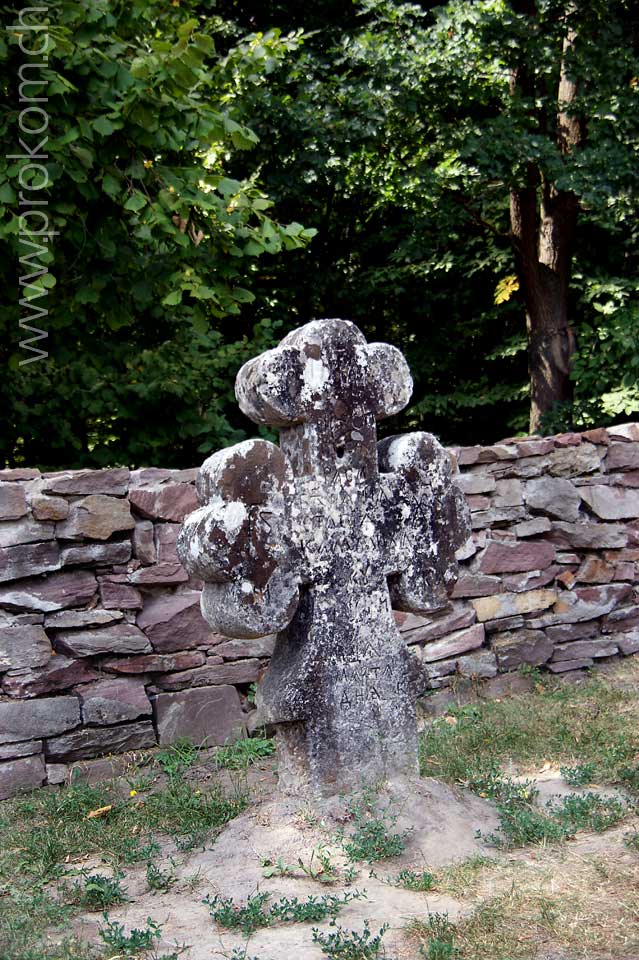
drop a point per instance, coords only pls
(313, 539)
(271, 518)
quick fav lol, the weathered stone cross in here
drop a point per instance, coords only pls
(317, 540)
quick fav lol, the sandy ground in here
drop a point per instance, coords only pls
(443, 824)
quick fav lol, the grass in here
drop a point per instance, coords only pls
(133, 943)
(436, 936)
(594, 724)
(257, 912)
(45, 833)
(241, 754)
(632, 840)
(99, 891)
(592, 731)
(548, 898)
(371, 837)
(410, 880)
(349, 944)
(564, 905)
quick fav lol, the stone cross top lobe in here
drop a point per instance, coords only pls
(316, 540)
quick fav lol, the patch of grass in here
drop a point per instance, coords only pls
(563, 905)
(349, 944)
(629, 778)
(175, 759)
(521, 822)
(580, 775)
(631, 840)
(241, 754)
(592, 730)
(158, 879)
(595, 723)
(411, 880)
(247, 918)
(129, 944)
(43, 833)
(100, 892)
(460, 879)
(587, 811)
(372, 837)
(437, 936)
(255, 913)
(24, 916)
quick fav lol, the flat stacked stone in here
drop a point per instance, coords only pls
(548, 578)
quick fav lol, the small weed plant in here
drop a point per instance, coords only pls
(130, 944)
(632, 840)
(178, 757)
(411, 880)
(256, 912)
(349, 944)
(159, 879)
(372, 837)
(320, 867)
(439, 934)
(99, 892)
(277, 868)
(243, 753)
(580, 775)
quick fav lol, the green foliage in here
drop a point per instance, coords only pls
(129, 944)
(248, 918)
(439, 934)
(349, 944)
(157, 242)
(43, 831)
(394, 132)
(580, 775)
(589, 724)
(632, 840)
(320, 866)
(177, 757)
(411, 880)
(100, 892)
(593, 723)
(241, 754)
(255, 913)
(371, 837)
(193, 156)
(277, 868)
(160, 879)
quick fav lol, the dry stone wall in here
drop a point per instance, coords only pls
(550, 575)
(103, 648)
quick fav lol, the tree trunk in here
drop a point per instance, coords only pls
(543, 224)
(543, 258)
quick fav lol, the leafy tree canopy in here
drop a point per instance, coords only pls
(193, 156)
(156, 246)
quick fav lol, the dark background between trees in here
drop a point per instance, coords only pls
(460, 180)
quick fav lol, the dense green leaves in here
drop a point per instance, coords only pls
(193, 156)
(155, 247)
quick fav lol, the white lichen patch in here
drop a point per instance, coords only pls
(231, 518)
(314, 376)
